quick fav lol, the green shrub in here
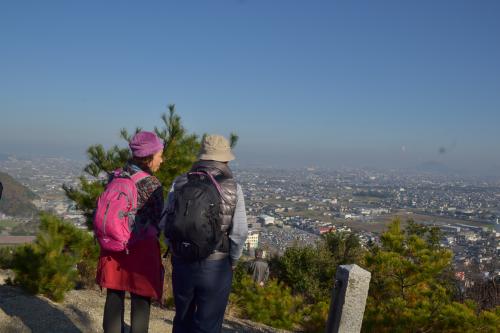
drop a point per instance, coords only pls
(308, 271)
(60, 257)
(315, 317)
(87, 264)
(6, 256)
(408, 288)
(43, 268)
(272, 304)
(78, 243)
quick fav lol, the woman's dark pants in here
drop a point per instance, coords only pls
(113, 321)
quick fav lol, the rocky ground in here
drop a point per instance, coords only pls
(81, 311)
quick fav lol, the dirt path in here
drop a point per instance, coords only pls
(81, 311)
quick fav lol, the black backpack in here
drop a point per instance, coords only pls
(193, 226)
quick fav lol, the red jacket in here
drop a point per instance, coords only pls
(139, 272)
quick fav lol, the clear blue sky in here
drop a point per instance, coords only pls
(361, 83)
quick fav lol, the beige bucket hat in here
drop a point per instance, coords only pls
(215, 148)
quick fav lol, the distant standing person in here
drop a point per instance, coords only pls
(137, 270)
(206, 229)
(259, 268)
(1, 190)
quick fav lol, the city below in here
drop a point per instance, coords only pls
(294, 207)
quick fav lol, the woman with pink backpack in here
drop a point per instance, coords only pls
(126, 226)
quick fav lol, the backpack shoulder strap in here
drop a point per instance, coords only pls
(212, 179)
(138, 176)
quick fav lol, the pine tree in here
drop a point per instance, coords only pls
(272, 304)
(306, 270)
(411, 291)
(310, 270)
(49, 266)
(344, 247)
(181, 149)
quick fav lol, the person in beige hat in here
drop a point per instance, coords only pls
(215, 148)
(202, 274)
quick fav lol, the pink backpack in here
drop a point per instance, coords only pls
(115, 213)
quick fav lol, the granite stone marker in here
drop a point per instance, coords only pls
(348, 299)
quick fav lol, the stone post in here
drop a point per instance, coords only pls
(348, 299)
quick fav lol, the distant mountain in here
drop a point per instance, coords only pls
(17, 200)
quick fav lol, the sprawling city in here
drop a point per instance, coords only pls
(294, 207)
(364, 136)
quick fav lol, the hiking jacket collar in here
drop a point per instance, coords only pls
(214, 167)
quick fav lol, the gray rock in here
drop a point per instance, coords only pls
(348, 299)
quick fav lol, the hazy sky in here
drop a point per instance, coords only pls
(364, 83)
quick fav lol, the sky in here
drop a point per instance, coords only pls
(388, 84)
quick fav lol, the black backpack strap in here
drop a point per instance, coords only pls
(212, 179)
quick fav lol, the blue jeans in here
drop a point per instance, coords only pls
(201, 291)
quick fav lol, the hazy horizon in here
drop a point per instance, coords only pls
(384, 84)
(282, 161)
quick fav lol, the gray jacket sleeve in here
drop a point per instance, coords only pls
(239, 231)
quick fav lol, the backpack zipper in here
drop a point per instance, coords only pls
(187, 207)
(105, 217)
